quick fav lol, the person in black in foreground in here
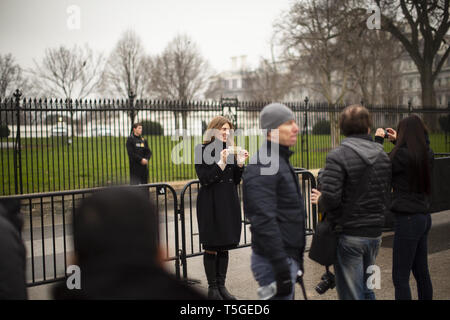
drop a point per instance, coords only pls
(115, 234)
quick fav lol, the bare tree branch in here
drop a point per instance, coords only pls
(431, 19)
(69, 73)
(127, 68)
(180, 73)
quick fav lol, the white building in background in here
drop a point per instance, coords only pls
(236, 83)
(230, 83)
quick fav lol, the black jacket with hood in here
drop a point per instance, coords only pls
(342, 180)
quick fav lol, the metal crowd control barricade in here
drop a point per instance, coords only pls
(47, 231)
(190, 241)
(307, 183)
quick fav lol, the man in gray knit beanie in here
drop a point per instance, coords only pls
(278, 116)
(275, 114)
(273, 203)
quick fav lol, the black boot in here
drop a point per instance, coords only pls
(222, 267)
(209, 262)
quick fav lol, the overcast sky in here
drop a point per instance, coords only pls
(221, 28)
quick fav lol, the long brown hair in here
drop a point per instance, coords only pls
(411, 133)
(217, 123)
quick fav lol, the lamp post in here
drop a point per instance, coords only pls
(18, 186)
(306, 129)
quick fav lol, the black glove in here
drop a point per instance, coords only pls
(282, 277)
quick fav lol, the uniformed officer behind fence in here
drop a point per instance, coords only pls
(139, 154)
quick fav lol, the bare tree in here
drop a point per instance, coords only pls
(314, 35)
(180, 73)
(127, 70)
(375, 70)
(271, 81)
(11, 77)
(68, 73)
(423, 36)
(127, 67)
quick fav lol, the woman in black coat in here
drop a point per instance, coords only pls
(412, 161)
(219, 166)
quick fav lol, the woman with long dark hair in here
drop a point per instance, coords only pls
(412, 161)
(219, 166)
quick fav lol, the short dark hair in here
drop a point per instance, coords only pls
(135, 125)
(110, 222)
(355, 119)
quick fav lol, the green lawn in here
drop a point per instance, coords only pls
(51, 164)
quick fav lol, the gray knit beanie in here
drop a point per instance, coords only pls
(275, 114)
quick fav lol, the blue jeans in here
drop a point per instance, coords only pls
(264, 275)
(410, 252)
(354, 256)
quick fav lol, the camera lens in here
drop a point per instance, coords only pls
(321, 288)
(327, 282)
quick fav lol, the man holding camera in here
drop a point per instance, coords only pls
(355, 188)
(274, 206)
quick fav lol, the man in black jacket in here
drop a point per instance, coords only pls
(274, 205)
(355, 190)
(139, 154)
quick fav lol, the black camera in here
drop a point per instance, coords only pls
(386, 135)
(327, 282)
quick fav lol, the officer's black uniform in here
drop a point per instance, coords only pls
(137, 148)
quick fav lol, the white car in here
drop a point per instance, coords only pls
(101, 132)
(59, 130)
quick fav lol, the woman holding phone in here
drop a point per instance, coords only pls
(219, 166)
(412, 162)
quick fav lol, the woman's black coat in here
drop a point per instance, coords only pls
(403, 199)
(218, 205)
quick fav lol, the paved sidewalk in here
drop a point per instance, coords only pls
(241, 283)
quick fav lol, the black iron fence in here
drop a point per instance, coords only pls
(52, 145)
(47, 232)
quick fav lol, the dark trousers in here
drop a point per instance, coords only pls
(138, 175)
(138, 180)
(411, 253)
